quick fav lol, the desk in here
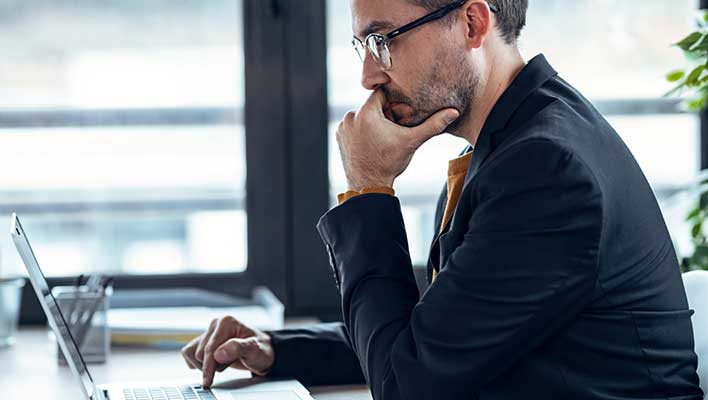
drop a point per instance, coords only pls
(29, 369)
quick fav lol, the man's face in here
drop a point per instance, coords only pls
(430, 71)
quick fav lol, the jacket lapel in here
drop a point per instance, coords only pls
(531, 77)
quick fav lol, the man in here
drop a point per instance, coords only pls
(552, 273)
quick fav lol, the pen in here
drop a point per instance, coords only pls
(87, 316)
(92, 285)
(72, 308)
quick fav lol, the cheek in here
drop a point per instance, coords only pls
(408, 64)
(413, 63)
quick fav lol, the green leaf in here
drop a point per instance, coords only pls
(692, 79)
(705, 16)
(700, 256)
(696, 230)
(685, 264)
(703, 200)
(701, 46)
(686, 43)
(696, 57)
(696, 104)
(675, 76)
(693, 214)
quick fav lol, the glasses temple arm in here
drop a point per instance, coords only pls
(425, 19)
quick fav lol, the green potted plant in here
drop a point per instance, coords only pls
(694, 79)
(692, 83)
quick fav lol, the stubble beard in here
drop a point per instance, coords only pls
(450, 83)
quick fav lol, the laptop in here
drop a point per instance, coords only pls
(240, 389)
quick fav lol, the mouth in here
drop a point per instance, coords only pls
(388, 113)
(399, 109)
(394, 105)
(400, 113)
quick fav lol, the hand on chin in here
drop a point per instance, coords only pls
(375, 148)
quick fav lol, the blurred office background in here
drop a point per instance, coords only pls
(191, 143)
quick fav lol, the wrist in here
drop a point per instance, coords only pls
(362, 185)
(267, 346)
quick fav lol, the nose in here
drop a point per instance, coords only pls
(372, 75)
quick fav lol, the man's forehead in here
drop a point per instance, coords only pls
(370, 16)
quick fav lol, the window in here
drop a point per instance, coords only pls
(122, 134)
(124, 129)
(615, 52)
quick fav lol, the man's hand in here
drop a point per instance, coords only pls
(375, 151)
(226, 343)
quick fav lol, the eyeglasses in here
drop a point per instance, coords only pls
(377, 44)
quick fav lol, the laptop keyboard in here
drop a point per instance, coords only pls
(168, 393)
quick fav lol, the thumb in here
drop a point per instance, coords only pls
(435, 124)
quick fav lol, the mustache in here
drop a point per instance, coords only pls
(394, 96)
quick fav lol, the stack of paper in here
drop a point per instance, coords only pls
(175, 326)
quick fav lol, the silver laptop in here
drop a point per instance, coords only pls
(242, 389)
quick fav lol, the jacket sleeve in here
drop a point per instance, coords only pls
(318, 354)
(526, 267)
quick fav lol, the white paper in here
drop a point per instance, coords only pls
(184, 320)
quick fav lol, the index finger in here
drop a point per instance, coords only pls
(219, 336)
(376, 101)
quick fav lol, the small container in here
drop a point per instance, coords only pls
(10, 298)
(86, 313)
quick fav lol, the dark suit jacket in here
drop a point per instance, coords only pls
(558, 278)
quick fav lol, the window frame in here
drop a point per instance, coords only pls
(286, 117)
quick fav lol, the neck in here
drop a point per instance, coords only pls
(506, 66)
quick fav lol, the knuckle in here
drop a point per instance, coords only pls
(441, 126)
(251, 346)
(366, 115)
(200, 349)
(230, 346)
(209, 348)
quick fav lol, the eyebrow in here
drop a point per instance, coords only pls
(375, 26)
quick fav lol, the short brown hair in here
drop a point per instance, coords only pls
(511, 17)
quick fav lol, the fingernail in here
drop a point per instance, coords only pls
(451, 116)
(220, 354)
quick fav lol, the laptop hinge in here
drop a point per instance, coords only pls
(100, 394)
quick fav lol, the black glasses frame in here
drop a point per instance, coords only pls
(385, 39)
(437, 14)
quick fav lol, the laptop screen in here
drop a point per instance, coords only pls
(51, 309)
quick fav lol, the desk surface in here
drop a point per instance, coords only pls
(30, 367)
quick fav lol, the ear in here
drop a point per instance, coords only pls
(478, 23)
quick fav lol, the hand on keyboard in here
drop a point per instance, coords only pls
(226, 343)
